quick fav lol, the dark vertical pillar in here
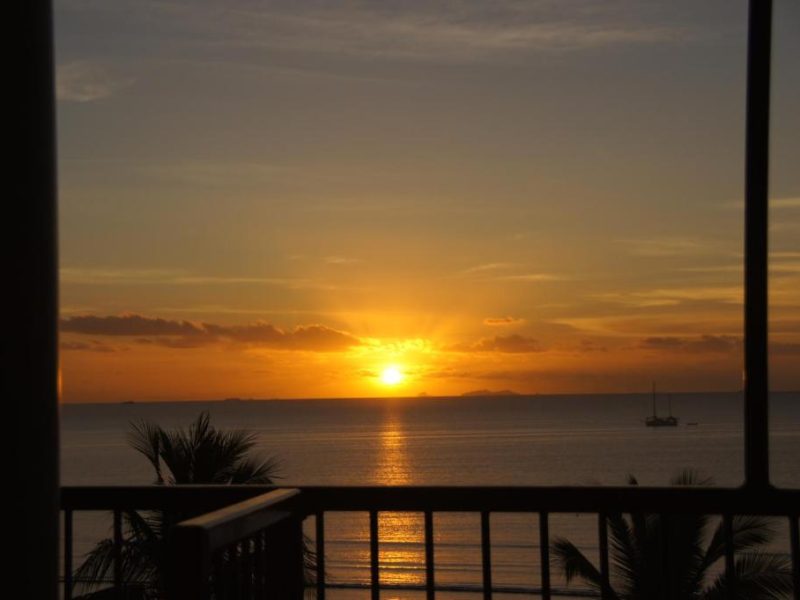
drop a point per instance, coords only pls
(756, 380)
(29, 362)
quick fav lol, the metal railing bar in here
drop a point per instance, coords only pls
(756, 362)
(626, 499)
(572, 592)
(374, 557)
(320, 552)
(159, 497)
(602, 538)
(430, 573)
(544, 553)
(68, 575)
(118, 553)
(486, 554)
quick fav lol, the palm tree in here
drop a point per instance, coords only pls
(696, 551)
(200, 454)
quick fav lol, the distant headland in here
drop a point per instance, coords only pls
(490, 393)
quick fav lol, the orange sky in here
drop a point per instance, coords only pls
(284, 200)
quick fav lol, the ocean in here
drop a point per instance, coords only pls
(509, 440)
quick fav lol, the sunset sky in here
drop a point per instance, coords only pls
(286, 199)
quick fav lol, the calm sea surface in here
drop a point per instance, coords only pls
(523, 440)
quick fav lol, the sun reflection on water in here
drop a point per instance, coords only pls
(392, 466)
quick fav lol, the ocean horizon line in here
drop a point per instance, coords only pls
(425, 397)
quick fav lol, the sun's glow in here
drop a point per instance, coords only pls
(392, 375)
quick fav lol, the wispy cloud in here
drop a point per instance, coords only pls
(342, 260)
(531, 277)
(667, 246)
(133, 276)
(731, 294)
(88, 81)
(785, 203)
(413, 31)
(779, 203)
(485, 268)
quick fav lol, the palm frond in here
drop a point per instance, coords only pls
(574, 564)
(251, 471)
(759, 576)
(690, 477)
(199, 454)
(145, 438)
(749, 533)
(624, 553)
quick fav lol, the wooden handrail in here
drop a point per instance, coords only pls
(236, 522)
(270, 518)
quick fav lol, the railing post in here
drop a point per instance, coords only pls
(430, 573)
(319, 523)
(544, 553)
(374, 556)
(189, 564)
(602, 534)
(285, 577)
(756, 380)
(68, 568)
(118, 583)
(486, 555)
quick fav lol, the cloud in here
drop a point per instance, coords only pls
(129, 325)
(502, 321)
(87, 81)
(188, 334)
(514, 344)
(90, 346)
(701, 344)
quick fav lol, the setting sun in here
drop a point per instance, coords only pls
(392, 376)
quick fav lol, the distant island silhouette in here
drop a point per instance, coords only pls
(490, 393)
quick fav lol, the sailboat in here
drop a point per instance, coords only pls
(655, 421)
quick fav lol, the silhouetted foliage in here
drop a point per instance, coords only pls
(200, 454)
(693, 568)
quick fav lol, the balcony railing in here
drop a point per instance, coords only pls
(250, 543)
